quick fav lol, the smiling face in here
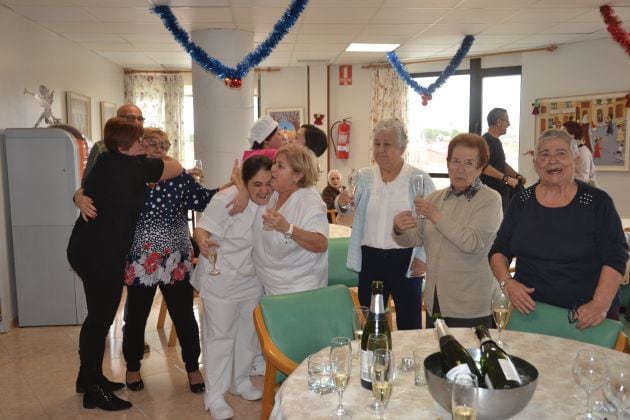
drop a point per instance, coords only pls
(463, 167)
(554, 162)
(387, 152)
(259, 187)
(283, 177)
(155, 146)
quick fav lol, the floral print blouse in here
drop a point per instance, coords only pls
(162, 249)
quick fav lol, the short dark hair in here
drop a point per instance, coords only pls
(316, 139)
(474, 141)
(495, 115)
(574, 129)
(253, 165)
(120, 134)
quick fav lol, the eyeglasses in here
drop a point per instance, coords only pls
(133, 117)
(153, 142)
(467, 164)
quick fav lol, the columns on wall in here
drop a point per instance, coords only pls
(223, 116)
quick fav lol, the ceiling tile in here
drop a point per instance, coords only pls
(397, 16)
(258, 15)
(193, 3)
(95, 38)
(544, 15)
(127, 14)
(408, 29)
(332, 29)
(53, 13)
(203, 14)
(338, 15)
(574, 28)
(410, 4)
(168, 55)
(324, 38)
(474, 4)
(460, 15)
(516, 28)
(105, 28)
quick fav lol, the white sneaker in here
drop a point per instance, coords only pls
(248, 391)
(220, 410)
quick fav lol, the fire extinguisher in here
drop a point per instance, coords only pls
(343, 137)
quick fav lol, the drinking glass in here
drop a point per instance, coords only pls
(319, 373)
(352, 182)
(341, 366)
(213, 253)
(418, 367)
(417, 182)
(500, 311)
(198, 165)
(271, 205)
(617, 389)
(589, 370)
(382, 376)
(359, 316)
(464, 397)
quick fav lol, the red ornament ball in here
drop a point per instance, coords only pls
(233, 82)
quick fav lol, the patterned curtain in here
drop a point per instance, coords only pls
(389, 96)
(161, 99)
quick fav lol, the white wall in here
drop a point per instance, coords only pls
(32, 56)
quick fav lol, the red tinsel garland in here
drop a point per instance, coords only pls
(615, 29)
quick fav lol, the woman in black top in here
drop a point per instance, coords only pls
(98, 247)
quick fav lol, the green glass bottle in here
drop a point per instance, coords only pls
(376, 323)
(455, 358)
(497, 367)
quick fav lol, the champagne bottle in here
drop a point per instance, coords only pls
(455, 358)
(497, 367)
(376, 323)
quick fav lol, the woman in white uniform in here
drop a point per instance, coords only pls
(292, 256)
(229, 298)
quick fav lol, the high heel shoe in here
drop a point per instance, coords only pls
(197, 388)
(96, 396)
(136, 385)
(106, 383)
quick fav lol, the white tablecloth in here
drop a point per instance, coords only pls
(557, 395)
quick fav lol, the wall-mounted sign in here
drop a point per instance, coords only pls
(345, 75)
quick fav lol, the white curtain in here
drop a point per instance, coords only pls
(160, 96)
(389, 96)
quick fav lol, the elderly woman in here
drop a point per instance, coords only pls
(229, 298)
(382, 192)
(585, 166)
(461, 223)
(333, 188)
(98, 248)
(566, 237)
(291, 243)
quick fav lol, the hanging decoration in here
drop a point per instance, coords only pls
(319, 119)
(614, 28)
(232, 76)
(427, 92)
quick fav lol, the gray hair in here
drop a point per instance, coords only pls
(554, 133)
(394, 125)
(332, 172)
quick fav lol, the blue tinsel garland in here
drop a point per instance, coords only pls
(251, 60)
(446, 73)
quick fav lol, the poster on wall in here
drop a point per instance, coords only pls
(289, 120)
(604, 121)
(108, 110)
(78, 113)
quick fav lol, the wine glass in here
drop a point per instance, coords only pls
(198, 166)
(213, 253)
(417, 181)
(359, 316)
(352, 181)
(617, 389)
(464, 396)
(500, 311)
(341, 366)
(382, 375)
(271, 205)
(589, 370)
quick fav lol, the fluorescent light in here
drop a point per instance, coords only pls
(355, 47)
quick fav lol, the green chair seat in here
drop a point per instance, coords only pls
(337, 271)
(553, 320)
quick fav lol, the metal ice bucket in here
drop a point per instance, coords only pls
(493, 403)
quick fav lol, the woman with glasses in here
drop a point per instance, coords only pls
(567, 239)
(98, 247)
(460, 225)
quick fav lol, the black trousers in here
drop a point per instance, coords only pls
(103, 288)
(179, 301)
(390, 266)
(458, 322)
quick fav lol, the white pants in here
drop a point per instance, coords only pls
(229, 344)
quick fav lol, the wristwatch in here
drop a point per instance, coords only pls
(289, 233)
(503, 282)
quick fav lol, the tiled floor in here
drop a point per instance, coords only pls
(38, 368)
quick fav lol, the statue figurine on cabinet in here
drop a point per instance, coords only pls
(45, 98)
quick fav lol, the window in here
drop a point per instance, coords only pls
(461, 105)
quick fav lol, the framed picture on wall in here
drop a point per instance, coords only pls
(78, 113)
(604, 121)
(108, 110)
(289, 120)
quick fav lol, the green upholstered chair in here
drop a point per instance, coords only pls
(292, 326)
(337, 271)
(553, 320)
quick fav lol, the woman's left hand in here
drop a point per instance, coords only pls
(275, 221)
(591, 314)
(418, 268)
(428, 209)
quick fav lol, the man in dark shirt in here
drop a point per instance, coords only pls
(498, 175)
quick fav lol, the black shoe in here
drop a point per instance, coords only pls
(96, 396)
(135, 386)
(106, 383)
(197, 388)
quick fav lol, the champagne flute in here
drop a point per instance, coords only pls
(500, 311)
(341, 366)
(198, 165)
(374, 342)
(352, 181)
(589, 370)
(417, 181)
(359, 316)
(382, 375)
(271, 205)
(213, 253)
(617, 389)
(464, 397)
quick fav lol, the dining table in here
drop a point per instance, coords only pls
(557, 394)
